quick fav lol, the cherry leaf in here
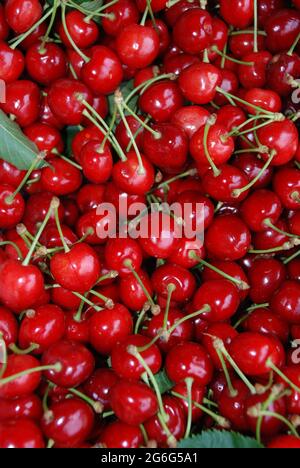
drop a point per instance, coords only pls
(219, 439)
(163, 382)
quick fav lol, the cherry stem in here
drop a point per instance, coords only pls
(241, 284)
(22, 37)
(257, 306)
(14, 348)
(285, 246)
(277, 371)
(75, 47)
(189, 385)
(88, 302)
(56, 4)
(271, 399)
(247, 31)
(96, 405)
(68, 160)
(171, 288)
(140, 319)
(109, 303)
(119, 104)
(146, 84)
(228, 57)
(271, 414)
(109, 131)
(255, 26)
(156, 135)
(294, 45)
(111, 275)
(152, 16)
(256, 127)
(171, 441)
(128, 264)
(236, 130)
(61, 235)
(268, 223)
(237, 192)
(53, 208)
(27, 237)
(211, 121)
(183, 175)
(20, 256)
(78, 315)
(46, 396)
(231, 389)
(3, 351)
(291, 258)
(55, 367)
(242, 101)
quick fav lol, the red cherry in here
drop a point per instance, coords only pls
(119, 16)
(24, 385)
(280, 69)
(22, 433)
(22, 15)
(292, 373)
(286, 302)
(173, 275)
(267, 7)
(282, 28)
(120, 435)
(193, 31)
(270, 425)
(68, 423)
(198, 394)
(96, 162)
(266, 99)
(265, 322)
(129, 176)
(8, 326)
(89, 197)
(182, 256)
(238, 13)
(133, 402)
(284, 442)
(108, 327)
(262, 205)
(46, 64)
(230, 117)
(254, 76)
(127, 366)
(4, 28)
(265, 276)
(61, 177)
(83, 137)
(199, 82)
(242, 44)
(117, 251)
(12, 63)
(281, 137)
(83, 31)
(22, 101)
(75, 330)
(286, 184)
(103, 73)
(232, 406)
(11, 207)
(190, 119)
(37, 206)
(251, 165)
(29, 407)
(10, 175)
(124, 137)
(97, 228)
(45, 137)
(161, 100)
(137, 45)
(157, 5)
(132, 294)
(77, 363)
(99, 384)
(222, 187)
(270, 238)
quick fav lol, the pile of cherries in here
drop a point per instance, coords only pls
(124, 342)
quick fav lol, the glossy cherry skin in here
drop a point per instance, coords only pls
(189, 360)
(260, 206)
(117, 251)
(198, 393)
(83, 137)
(22, 15)
(163, 241)
(161, 100)
(252, 351)
(22, 101)
(132, 294)
(99, 384)
(182, 279)
(43, 326)
(280, 68)
(284, 442)
(286, 302)
(230, 116)
(29, 406)
(108, 327)
(20, 286)
(251, 166)
(270, 425)
(233, 236)
(269, 238)
(8, 326)
(75, 330)
(238, 13)
(45, 137)
(76, 360)
(281, 137)
(190, 118)
(163, 34)
(265, 322)
(127, 366)
(230, 268)
(64, 102)
(126, 175)
(192, 32)
(124, 137)
(282, 28)
(133, 402)
(222, 331)
(21, 434)
(103, 73)
(222, 187)
(24, 385)
(182, 257)
(266, 99)
(96, 227)
(169, 152)
(11, 212)
(294, 223)
(198, 82)
(10, 174)
(137, 46)
(265, 276)
(47, 64)
(96, 162)
(76, 270)
(68, 423)
(176, 422)
(89, 197)
(84, 33)
(120, 435)
(293, 400)
(12, 63)
(286, 184)
(222, 297)
(232, 407)
(178, 62)
(294, 270)
(242, 44)
(37, 206)
(122, 14)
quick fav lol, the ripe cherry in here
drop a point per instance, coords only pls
(21, 433)
(281, 137)
(120, 435)
(22, 15)
(238, 13)
(284, 442)
(259, 208)
(26, 383)
(265, 322)
(286, 184)
(243, 43)
(46, 63)
(22, 101)
(89, 197)
(282, 28)
(118, 251)
(83, 31)
(99, 384)
(4, 28)
(286, 302)
(161, 100)
(281, 69)
(96, 162)
(29, 407)
(119, 16)
(199, 82)
(132, 294)
(190, 118)
(8, 326)
(11, 207)
(232, 405)
(133, 176)
(180, 281)
(254, 76)
(12, 63)
(137, 46)
(193, 31)
(251, 165)
(222, 187)
(265, 276)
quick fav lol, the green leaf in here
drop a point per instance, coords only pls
(163, 381)
(15, 147)
(219, 439)
(70, 133)
(126, 89)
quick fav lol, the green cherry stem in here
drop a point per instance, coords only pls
(228, 57)
(255, 26)
(14, 348)
(268, 223)
(55, 367)
(56, 4)
(286, 261)
(171, 288)
(294, 45)
(109, 303)
(22, 37)
(85, 58)
(144, 86)
(96, 405)
(189, 385)
(3, 354)
(17, 249)
(277, 371)
(128, 264)
(285, 246)
(211, 121)
(242, 101)
(61, 235)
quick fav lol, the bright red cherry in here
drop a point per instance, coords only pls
(161, 100)
(193, 31)
(120, 435)
(281, 137)
(220, 146)
(22, 101)
(199, 82)
(259, 208)
(21, 434)
(29, 407)
(284, 442)
(282, 28)
(132, 294)
(238, 13)
(96, 162)
(251, 165)
(286, 302)
(132, 176)
(180, 280)
(12, 63)
(265, 276)
(24, 385)
(286, 184)
(232, 405)
(137, 45)
(11, 207)
(265, 322)
(269, 425)
(83, 31)
(8, 326)
(118, 251)
(190, 118)
(46, 64)
(21, 15)
(119, 16)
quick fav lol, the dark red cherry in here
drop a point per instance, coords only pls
(10, 174)
(232, 406)
(270, 425)
(193, 31)
(267, 7)
(22, 15)
(89, 197)
(137, 45)
(199, 82)
(4, 28)
(11, 207)
(230, 268)
(286, 302)
(132, 176)
(96, 162)
(251, 165)
(61, 177)
(238, 13)
(271, 238)
(286, 184)
(46, 64)
(281, 69)
(229, 84)
(22, 102)
(265, 276)
(284, 442)
(161, 100)
(265, 322)
(119, 16)
(8, 326)
(242, 44)
(132, 294)
(197, 210)
(12, 63)
(222, 331)
(282, 28)
(260, 206)
(24, 385)
(190, 119)
(230, 117)
(254, 76)
(83, 137)
(120, 435)
(83, 31)
(21, 434)
(222, 187)
(29, 407)
(198, 393)
(170, 275)
(281, 137)
(99, 384)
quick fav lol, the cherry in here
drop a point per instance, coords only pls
(118, 251)
(193, 31)
(8, 326)
(137, 45)
(282, 28)
(12, 63)
(199, 82)
(254, 76)
(266, 8)
(120, 435)
(175, 278)
(22, 101)
(46, 63)
(286, 184)
(89, 197)
(265, 322)
(286, 302)
(10, 174)
(175, 64)
(43, 327)
(20, 286)
(281, 69)
(235, 271)
(76, 361)
(294, 270)
(132, 294)
(228, 238)
(242, 44)
(265, 277)
(26, 383)
(238, 13)
(96, 162)
(84, 32)
(133, 402)
(157, 5)
(259, 208)
(36, 35)
(4, 28)
(219, 37)
(45, 137)
(76, 270)
(168, 149)
(251, 165)
(21, 433)
(51, 237)
(253, 353)
(161, 100)
(189, 360)
(230, 117)
(22, 15)
(222, 187)
(292, 373)
(11, 207)
(124, 137)
(96, 228)
(103, 73)
(176, 422)
(68, 423)
(99, 384)
(197, 393)
(36, 209)
(29, 407)
(284, 442)
(265, 99)
(215, 331)
(190, 119)
(108, 327)
(76, 330)
(270, 425)
(133, 178)
(119, 16)
(294, 223)
(64, 102)
(281, 137)
(83, 137)
(182, 255)
(271, 238)
(232, 405)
